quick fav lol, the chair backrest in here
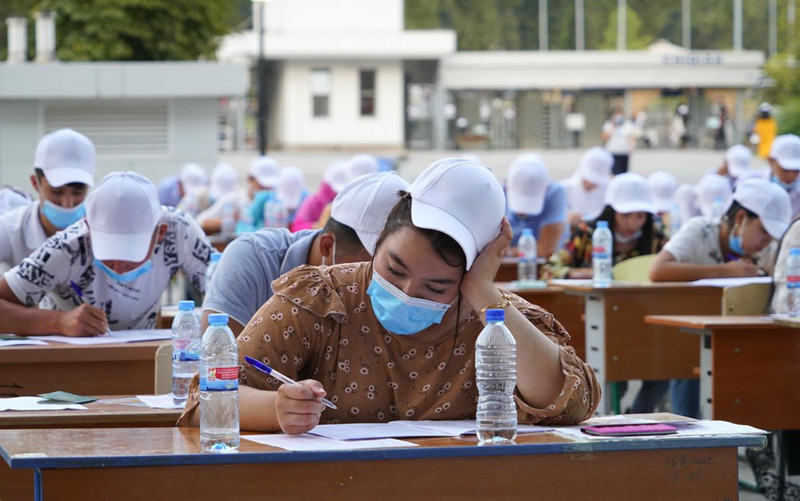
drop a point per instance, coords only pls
(750, 299)
(163, 369)
(635, 269)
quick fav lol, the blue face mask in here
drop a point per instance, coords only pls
(785, 186)
(128, 276)
(735, 244)
(61, 217)
(400, 313)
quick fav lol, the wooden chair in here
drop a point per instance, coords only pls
(163, 368)
(635, 269)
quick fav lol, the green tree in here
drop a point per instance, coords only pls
(422, 14)
(635, 39)
(139, 30)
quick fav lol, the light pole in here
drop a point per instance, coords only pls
(261, 77)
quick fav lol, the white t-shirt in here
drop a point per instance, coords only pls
(20, 234)
(588, 204)
(697, 242)
(44, 277)
(622, 137)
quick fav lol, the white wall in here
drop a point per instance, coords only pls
(344, 127)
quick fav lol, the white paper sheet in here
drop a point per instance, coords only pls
(307, 442)
(455, 428)
(159, 401)
(32, 404)
(732, 282)
(404, 429)
(697, 428)
(131, 336)
(20, 342)
(577, 282)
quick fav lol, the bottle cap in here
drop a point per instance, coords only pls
(602, 224)
(215, 257)
(527, 231)
(186, 305)
(794, 251)
(218, 319)
(495, 315)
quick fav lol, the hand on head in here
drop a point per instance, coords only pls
(485, 266)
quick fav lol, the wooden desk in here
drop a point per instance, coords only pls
(568, 309)
(108, 369)
(748, 368)
(621, 346)
(108, 412)
(154, 463)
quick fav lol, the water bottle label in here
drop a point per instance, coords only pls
(185, 356)
(793, 281)
(219, 379)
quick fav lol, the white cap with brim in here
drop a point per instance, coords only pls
(629, 192)
(265, 171)
(737, 158)
(122, 213)
(461, 199)
(361, 164)
(192, 177)
(223, 180)
(662, 188)
(291, 185)
(710, 188)
(526, 185)
(768, 201)
(66, 156)
(595, 165)
(336, 175)
(786, 151)
(365, 203)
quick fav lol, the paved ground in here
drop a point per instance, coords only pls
(687, 165)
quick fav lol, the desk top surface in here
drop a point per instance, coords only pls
(106, 411)
(711, 321)
(103, 447)
(63, 352)
(585, 286)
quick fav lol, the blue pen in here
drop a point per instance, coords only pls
(77, 290)
(266, 369)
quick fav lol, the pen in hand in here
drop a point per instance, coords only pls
(266, 369)
(82, 300)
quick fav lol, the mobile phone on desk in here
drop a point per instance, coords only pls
(630, 430)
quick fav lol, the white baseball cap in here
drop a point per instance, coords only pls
(365, 203)
(768, 201)
(526, 184)
(291, 185)
(662, 187)
(362, 164)
(66, 156)
(122, 213)
(708, 189)
(192, 176)
(595, 165)
(737, 159)
(461, 199)
(223, 180)
(265, 171)
(629, 192)
(336, 175)
(786, 151)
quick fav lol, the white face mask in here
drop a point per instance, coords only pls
(626, 240)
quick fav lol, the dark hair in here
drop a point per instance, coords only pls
(735, 207)
(347, 241)
(40, 174)
(644, 245)
(444, 245)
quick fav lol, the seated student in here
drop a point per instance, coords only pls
(740, 244)
(108, 270)
(289, 194)
(394, 338)
(261, 175)
(629, 211)
(224, 179)
(535, 202)
(334, 179)
(709, 197)
(735, 164)
(663, 186)
(244, 276)
(586, 188)
(63, 173)
(172, 189)
(784, 167)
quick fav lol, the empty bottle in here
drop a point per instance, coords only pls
(213, 264)
(185, 350)
(602, 252)
(793, 282)
(496, 377)
(219, 387)
(526, 267)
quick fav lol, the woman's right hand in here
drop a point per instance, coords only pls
(298, 407)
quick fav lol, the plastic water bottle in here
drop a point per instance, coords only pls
(228, 225)
(496, 377)
(717, 207)
(219, 387)
(275, 214)
(793, 282)
(526, 267)
(602, 251)
(185, 350)
(213, 264)
(674, 220)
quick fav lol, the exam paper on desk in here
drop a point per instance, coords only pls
(130, 336)
(307, 442)
(405, 428)
(32, 404)
(164, 401)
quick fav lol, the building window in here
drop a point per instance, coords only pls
(320, 91)
(367, 89)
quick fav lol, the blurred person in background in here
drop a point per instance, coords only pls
(224, 179)
(334, 180)
(765, 129)
(586, 188)
(172, 189)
